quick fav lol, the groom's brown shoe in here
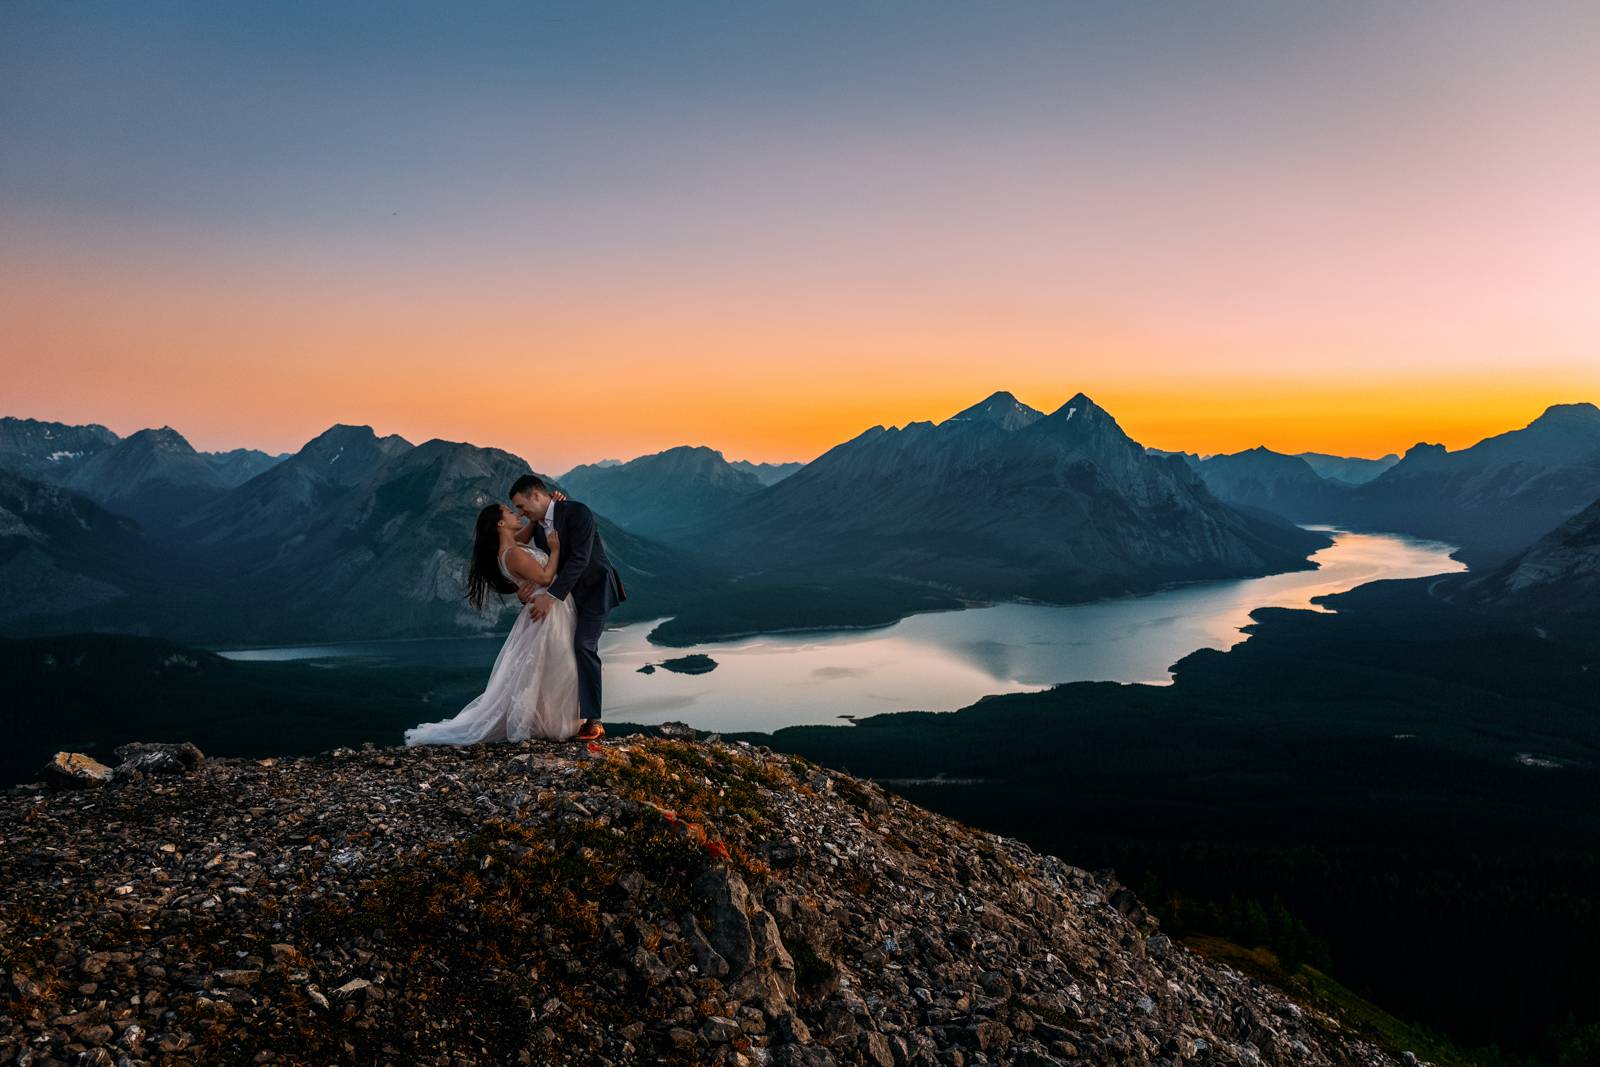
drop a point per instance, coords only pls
(591, 731)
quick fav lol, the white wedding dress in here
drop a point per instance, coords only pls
(533, 687)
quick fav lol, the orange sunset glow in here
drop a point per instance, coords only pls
(1224, 254)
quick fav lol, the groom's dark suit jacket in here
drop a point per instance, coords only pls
(586, 571)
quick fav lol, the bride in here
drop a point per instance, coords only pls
(533, 687)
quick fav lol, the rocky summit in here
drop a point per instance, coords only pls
(663, 899)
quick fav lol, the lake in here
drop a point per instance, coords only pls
(934, 662)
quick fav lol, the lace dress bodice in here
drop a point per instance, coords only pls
(539, 557)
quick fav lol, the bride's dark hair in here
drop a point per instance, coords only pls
(483, 573)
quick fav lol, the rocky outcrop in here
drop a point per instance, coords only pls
(659, 900)
(74, 770)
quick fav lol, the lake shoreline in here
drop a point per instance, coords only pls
(935, 660)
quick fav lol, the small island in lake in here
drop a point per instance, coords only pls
(696, 663)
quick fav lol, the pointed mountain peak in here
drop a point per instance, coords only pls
(1079, 407)
(345, 454)
(1000, 409)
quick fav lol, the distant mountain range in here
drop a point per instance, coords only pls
(357, 535)
(354, 535)
(998, 501)
(1350, 470)
(1492, 499)
(38, 449)
(768, 473)
(154, 476)
(1495, 498)
(1270, 481)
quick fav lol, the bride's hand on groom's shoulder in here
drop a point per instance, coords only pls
(556, 494)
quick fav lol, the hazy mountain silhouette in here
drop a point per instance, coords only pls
(662, 494)
(241, 464)
(1347, 469)
(1271, 481)
(767, 473)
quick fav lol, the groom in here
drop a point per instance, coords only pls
(585, 574)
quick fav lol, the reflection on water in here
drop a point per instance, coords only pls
(943, 661)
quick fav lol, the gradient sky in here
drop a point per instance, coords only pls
(600, 229)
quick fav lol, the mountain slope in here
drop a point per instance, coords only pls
(652, 901)
(154, 476)
(1260, 478)
(662, 494)
(1003, 501)
(1495, 498)
(1555, 585)
(64, 560)
(364, 536)
(271, 512)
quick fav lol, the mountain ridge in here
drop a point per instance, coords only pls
(988, 481)
(1496, 497)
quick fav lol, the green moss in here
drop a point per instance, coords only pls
(696, 782)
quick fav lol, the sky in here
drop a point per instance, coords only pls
(599, 229)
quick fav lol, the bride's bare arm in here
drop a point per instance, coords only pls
(527, 571)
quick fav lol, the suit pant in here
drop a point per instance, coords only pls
(591, 622)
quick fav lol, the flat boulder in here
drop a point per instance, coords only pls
(74, 770)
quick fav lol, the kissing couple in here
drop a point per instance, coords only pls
(546, 680)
